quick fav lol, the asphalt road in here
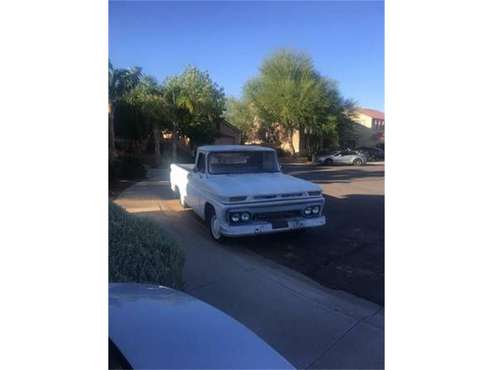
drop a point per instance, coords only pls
(348, 252)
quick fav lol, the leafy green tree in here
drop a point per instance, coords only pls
(345, 122)
(196, 105)
(148, 97)
(241, 114)
(120, 83)
(333, 125)
(288, 91)
(291, 93)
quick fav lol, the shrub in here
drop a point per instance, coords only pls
(127, 167)
(141, 251)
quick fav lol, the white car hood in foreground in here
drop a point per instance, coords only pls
(160, 328)
(258, 184)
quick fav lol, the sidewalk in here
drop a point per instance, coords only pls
(311, 326)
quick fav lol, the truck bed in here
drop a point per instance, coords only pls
(186, 166)
(178, 177)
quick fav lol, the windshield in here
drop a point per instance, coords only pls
(221, 163)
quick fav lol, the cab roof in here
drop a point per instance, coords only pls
(233, 148)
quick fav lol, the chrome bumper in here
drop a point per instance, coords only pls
(266, 227)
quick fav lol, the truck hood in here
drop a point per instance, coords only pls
(258, 184)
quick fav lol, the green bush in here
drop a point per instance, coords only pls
(141, 251)
(126, 167)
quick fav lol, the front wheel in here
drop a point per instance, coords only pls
(357, 162)
(214, 227)
(328, 162)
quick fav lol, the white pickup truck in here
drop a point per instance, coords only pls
(240, 190)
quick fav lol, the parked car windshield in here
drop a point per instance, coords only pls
(221, 163)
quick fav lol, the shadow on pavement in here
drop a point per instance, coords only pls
(327, 175)
(347, 253)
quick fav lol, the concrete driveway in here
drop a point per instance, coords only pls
(312, 326)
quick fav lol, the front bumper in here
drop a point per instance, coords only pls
(266, 227)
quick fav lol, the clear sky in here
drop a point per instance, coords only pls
(230, 40)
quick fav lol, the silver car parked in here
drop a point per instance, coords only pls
(347, 157)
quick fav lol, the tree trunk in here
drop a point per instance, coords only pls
(157, 145)
(291, 142)
(111, 123)
(174, 143)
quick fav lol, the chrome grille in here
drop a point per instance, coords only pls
(268, 196)
(291, 195)
(273, 196)
(280, 215)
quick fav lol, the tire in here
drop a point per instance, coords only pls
(357, 162)
(328, 162)
(213, 225)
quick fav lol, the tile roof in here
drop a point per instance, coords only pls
(372, 113)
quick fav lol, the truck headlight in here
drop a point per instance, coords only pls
(245, 216)
(307, 211)
(316, 210)
(234, 217)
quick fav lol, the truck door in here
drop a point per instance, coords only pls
(195, 187)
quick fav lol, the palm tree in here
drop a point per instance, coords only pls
(120, 83)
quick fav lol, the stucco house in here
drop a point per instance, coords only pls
(369, 127)
(228, 134)
(369, 130)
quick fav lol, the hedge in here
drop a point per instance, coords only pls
(126, 167)
(141, 251)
